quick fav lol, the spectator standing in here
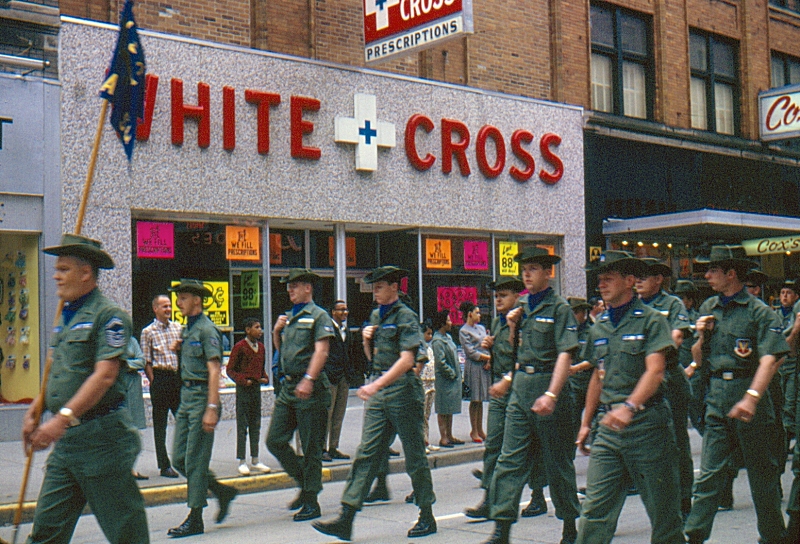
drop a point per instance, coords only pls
(338, 369)
(161, 368)
(133, 390)
(448, 378)
(246, 367)
(477, 373)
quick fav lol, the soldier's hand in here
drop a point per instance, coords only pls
(544, 406)
(689, 371)
(705, 323)
(210, 419)
(744, 410)
(514, 316)
(617, 419)
(583, 436)
(280, 323)
(47, 433)
(366, 391)
(487, 342)
(304, 389)
(176, 344)
(500, 389)
(368, 332)
(28, 427)
(573, 369)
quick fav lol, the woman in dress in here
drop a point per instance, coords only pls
(477, 367)
(448, 378)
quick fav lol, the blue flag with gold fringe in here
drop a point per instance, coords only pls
(124, 84)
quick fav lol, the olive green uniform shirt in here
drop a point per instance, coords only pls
(310, 324)
(546, 331)
(202, 342)
(502, 350)
(397, 332)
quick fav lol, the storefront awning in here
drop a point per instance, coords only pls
(702, 226)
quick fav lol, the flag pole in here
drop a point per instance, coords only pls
(39, 401)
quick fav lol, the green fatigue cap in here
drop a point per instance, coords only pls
(754, 277)
(656, 267)
(510, 283)
(728, 256)
(578, 303)
(300, 274)
(791, 284)
(75, 245)
(194, 287)
(536, 255)
(685, 286)
(389, 274)
(621, 261)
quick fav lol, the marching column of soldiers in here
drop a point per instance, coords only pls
(621, 390)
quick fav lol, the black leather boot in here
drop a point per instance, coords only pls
(193, 525)
(426, 524)
(793, 529)
(341, 527)
(225, 494)
(569, 534)
(502, 532)
(297, 503)
(537, 506)
(725, 497)
(380, 492)
(310, 510)
(481, 511)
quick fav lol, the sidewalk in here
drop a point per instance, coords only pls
(158, 490)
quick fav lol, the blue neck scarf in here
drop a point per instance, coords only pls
(71, 308)
(502, 319)
(648, 300)
(615, 315)
(725, 300)
(192, 319)
(535, 300)
(384, 308)
(786, 311)
(297, 307)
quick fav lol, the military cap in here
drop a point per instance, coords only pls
(657, 267)
(300, 274)
(621, 261)
(755, 276)
(791, 284)
(388, 273)
(578, 303)
(536, 255)
(684, 286)
(510, 283)
(75, 245)
(728, 256)
(194, 287)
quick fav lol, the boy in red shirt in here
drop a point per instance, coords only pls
(246, 369)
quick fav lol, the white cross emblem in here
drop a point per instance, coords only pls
(380, 8)
(365, 131)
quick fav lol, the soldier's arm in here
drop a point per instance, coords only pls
(306, 385)
(89, 394)
(400, 367)
(545, 404)
(211, 415)
(592, 402)
(677, 337)
(648, 384)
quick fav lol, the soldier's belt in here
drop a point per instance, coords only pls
(653, 401)
(532, 369)
(194, 383)
(737, 374)
(100, 411)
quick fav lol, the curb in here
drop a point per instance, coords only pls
(171, 494)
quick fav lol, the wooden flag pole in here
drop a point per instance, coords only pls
(39, 401)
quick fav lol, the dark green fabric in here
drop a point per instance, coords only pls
(546, 331)
(398, 331)
(302, 330)
(201, 344)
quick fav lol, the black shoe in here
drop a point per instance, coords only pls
(502, 533)
(341, 527)
(326, 457)
(379, 493)
(426, 524)
(478, 473)
(479, 512)
(139, 476)
(297, 503)
(410, 498)
(534, 508)
(632, 490)
(225, 496)
(310, 510)
(336, 454)
(192, 526)
(169, 473)
(393, 453)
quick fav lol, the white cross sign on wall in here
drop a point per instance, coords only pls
(380, 8)
(365, 131)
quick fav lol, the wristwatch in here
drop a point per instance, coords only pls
(70, 415)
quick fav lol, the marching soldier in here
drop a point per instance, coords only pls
(199, 410)
(742, 341)
(95, 442)
(634, 440)
(394, 403)
(303, 340)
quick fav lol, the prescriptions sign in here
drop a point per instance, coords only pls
(397, 27)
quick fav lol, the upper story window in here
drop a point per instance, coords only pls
(621, 62)
(793, 5)
(785, 70)
(714, 87)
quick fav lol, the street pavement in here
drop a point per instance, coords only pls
(261, 516)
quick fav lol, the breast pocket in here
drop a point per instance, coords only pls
(302, 333)
(194, 349)
(541, 337)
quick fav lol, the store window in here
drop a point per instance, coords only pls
(785, 70)
(714, 88)
(621, 65)
(19, 314)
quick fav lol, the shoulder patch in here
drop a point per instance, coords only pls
(57, 329)
(327, 328)
(115, 332)
(214, 341)
(601, 342)
(682, 317)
